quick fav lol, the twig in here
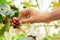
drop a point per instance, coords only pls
(37, 4)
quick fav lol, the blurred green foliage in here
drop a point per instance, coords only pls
(21, 36)
(5, 1)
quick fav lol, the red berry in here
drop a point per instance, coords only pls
(16, 22)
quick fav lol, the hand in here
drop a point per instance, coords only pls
(32, 16)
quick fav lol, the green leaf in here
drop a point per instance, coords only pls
(30, 38)
(50, 37)
(45, 38)
(7, 26)
(2, 38)
(1, 25)
(16, 11)
(6, 10)
(56, 25)
(15, 8)
(8, 3)
(14, 38)
(30, 5)
(56, 4)
(26, 38)
(22, 35)
(2, 1)
(0, 18)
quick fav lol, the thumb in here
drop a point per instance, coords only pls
(26, 20)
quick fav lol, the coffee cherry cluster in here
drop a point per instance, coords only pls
(16, 23)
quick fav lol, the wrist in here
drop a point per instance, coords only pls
(46, 18)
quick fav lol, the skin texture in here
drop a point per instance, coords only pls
(34, 16)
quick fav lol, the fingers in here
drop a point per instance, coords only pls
(23, 13)
(26, 16)
(28, 20)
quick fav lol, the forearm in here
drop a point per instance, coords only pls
(54, 15)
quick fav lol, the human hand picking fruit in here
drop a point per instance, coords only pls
(34, 16)
(16, 22)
